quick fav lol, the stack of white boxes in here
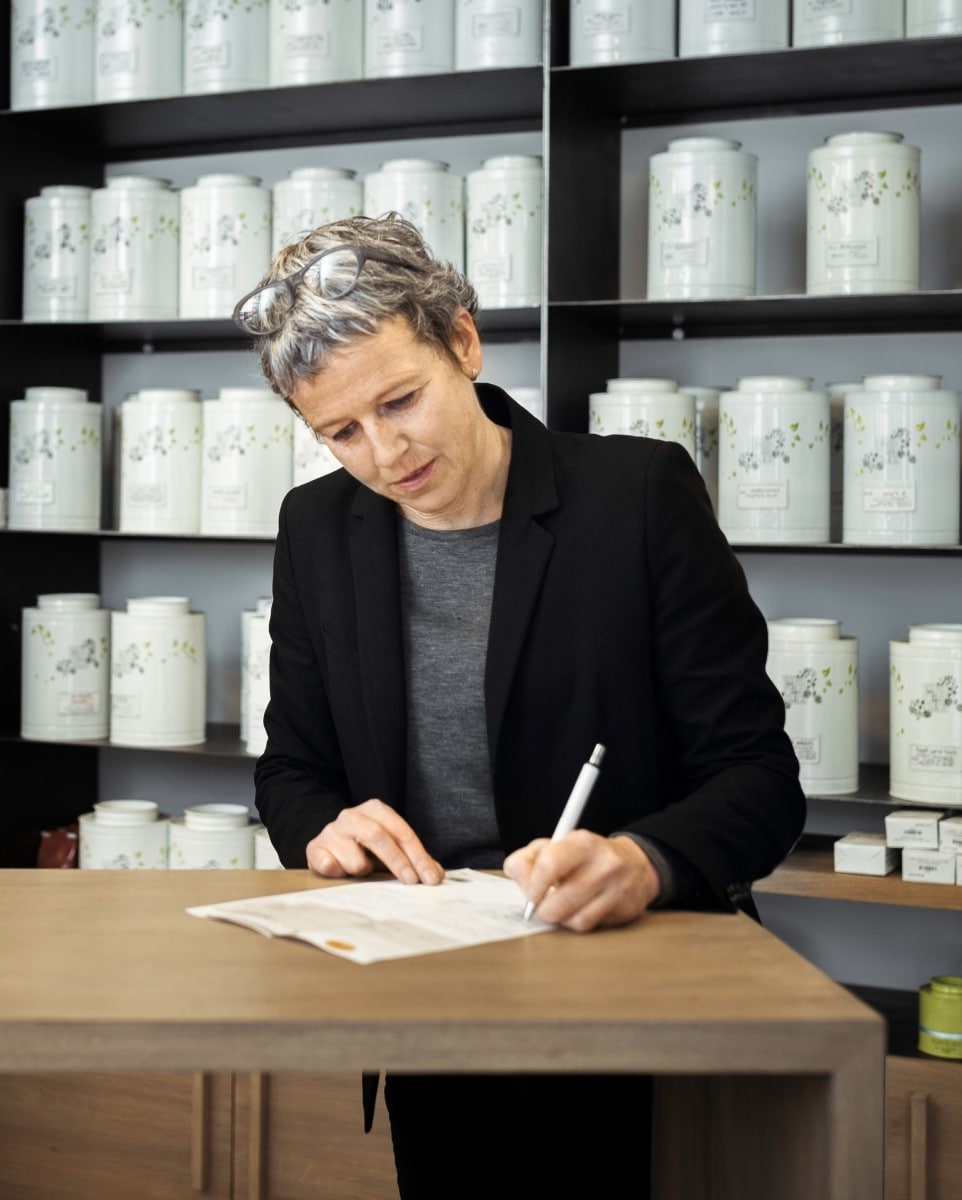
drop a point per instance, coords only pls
(929, 842)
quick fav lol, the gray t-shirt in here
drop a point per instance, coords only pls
(447, 579)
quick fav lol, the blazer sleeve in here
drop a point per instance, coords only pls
(742, 807)
(299, 780)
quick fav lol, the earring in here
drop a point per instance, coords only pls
(474, 374)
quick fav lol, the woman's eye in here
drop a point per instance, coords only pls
(345, 434)
(400, 402)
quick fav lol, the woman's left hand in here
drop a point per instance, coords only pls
(583, 880)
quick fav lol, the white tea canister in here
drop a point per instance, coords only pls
(863, 215)
(56, 254)
(621, 31)
(55, 460)
(408, 37)
(901, 462)
(160, 454)
(262, 605)
(225, 46)
(212, 837)
(51, 53)
(139, 49)
(247, 462)
(701, 220)
(836, 400)
(933, 18)
(833, 22)
(425, 192)
(497, 33)
(123, 835)
(773, 461)
(651, 408)
(265, 856)
(706, 435)
(504, 229)
(925, 715)
(707, 27)
(315, 42)
(65, 668)
(134, 250)
(158, 673)
(225, 242)
(312, 196)
(816, 671)
(312, 458)
(257, 684)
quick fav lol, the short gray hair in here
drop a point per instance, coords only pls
(429, 297)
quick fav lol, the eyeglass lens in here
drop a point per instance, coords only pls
(331, 276)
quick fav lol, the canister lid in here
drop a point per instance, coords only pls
(775, 383)
(804, 629)
(55, 395)
(125, 812)
(225, 179)
(715, 144)
(216, 816)
(414, 164)
(164, 396)
(158, 606)
(901, 383)
(867, 137)
(935, 635)
(311, 173)
(66, 191)
(69, 601)
(642, 385)
(145, 183)
(244, 395)
(513, 162)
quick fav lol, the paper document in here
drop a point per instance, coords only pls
(371, 921)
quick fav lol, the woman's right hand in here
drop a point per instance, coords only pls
(371, 837)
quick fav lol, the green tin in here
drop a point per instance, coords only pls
(940, 1017)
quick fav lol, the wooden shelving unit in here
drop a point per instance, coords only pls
(809, 872)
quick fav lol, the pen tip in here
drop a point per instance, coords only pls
(528, 912)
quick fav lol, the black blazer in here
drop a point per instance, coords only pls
(620, 615)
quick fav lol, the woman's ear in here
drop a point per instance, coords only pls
(466, 344)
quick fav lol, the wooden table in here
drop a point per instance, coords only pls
(770, 1074)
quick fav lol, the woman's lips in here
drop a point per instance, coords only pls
(416, 478)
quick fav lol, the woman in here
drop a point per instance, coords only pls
(459, 616)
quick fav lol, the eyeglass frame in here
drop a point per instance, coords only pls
(291, 282)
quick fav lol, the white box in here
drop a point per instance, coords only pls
(928, 866)
(913, 827)
(950, 834)
(861, 853)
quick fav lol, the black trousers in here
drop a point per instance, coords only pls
(520, 1135)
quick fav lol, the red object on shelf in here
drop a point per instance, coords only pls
(58, 847)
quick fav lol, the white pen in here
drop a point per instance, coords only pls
(574, 807)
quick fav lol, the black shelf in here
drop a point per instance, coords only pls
(912, 71)
(223, 741)
(843, 550)
(772, 316)
(504, 324)
(459, 103)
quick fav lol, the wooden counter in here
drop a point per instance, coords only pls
(772, 1073)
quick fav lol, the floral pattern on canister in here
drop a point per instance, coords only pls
(812, 685)
(136, 657)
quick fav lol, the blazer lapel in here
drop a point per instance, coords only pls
(380, 645)
(524, 550)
